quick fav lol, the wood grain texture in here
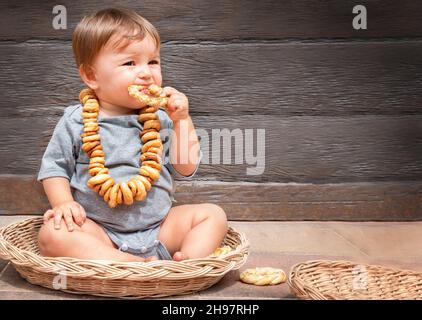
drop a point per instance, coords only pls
(297, 149)
(340, 107)
(285, 79)
(20, 195)
(225, 20)
(319, 149)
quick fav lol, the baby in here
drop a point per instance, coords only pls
(115, 49)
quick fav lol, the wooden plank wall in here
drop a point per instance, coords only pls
(341, 108)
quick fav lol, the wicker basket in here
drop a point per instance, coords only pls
(18, 243)
(344, 280)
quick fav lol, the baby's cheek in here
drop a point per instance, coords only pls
(158, 78)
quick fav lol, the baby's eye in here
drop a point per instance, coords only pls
(129, 63)
(154, 62)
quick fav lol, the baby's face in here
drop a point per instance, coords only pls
(116, 69)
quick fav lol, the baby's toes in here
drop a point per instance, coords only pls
(179, 256)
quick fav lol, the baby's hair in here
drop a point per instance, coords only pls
(93, 32)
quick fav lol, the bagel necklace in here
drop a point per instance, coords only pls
(138, 186)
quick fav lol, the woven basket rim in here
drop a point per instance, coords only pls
(305, 280)
(107, 278)
(353, 264)
(244, 245)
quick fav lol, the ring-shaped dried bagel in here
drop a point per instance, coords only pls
(113, 195)
(263, 276)
(97, 160)
(94, 171)
(144, 181)
(95, 165)
(89, 121)
(151, 148)
(149, 109)
(105, 186)
(126, 193)
(154, 174)
(141, 190)
(88, 134)
(152, 164)
(150, 156)
(152, 124)
(89, 115)
(86, 92)
(148, 96)
(100, 178)
(151, 135)
(147, 116)
(158, 151)
(97, 153)
(143, 132)
(220, 251)
(156, 143)
(119, 196)
(94, 130)
(107, 195)
(103, 171)
(132, 186)
(87, 146)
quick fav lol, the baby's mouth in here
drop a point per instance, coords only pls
(150, 95)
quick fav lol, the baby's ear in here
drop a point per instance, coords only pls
(87, 74)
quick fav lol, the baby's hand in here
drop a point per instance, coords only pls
(70, 211)
(178, 104)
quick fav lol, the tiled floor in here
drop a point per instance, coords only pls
(277, 244)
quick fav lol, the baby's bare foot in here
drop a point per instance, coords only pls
(179, 256)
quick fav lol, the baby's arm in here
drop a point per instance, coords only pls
(185, 147)
(63, 205)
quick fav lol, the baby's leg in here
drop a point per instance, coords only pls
(87, 242)
(193, 231)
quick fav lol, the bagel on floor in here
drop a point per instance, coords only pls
(263, 276)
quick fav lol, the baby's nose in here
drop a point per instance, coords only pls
(144, 75)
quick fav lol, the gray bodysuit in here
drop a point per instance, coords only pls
(132, 228)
